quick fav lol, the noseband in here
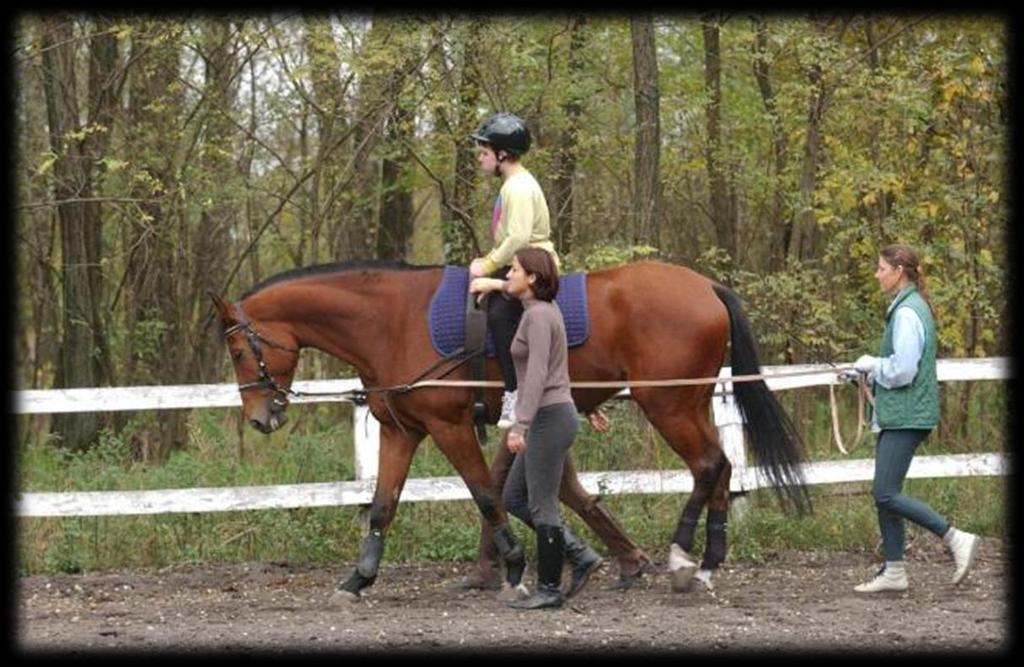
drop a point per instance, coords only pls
(266, 380)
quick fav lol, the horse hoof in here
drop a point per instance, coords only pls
(513, 593)
(626, 581)
(682, 568)
(342, 597)
(474, 582)
(704, 577)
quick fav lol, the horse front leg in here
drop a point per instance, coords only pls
(459, 445)
(396, 450)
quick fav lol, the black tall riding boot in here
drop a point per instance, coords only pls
(550, 544)
(583, 560)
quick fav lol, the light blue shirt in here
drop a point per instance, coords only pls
(899, 369)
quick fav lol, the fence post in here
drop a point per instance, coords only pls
(366, 433)
(729, 421)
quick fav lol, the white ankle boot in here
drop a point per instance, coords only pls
(964, 547)
(508, 409)
(892, 577)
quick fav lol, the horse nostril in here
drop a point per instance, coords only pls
(255, 423)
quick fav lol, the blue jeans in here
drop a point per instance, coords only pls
(893, 454)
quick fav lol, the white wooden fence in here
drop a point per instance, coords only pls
(367, 431)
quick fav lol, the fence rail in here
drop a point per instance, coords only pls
(367, 429)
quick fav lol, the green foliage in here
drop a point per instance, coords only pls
(67, 553)
(605, 255)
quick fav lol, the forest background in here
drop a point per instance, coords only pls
(161, 157)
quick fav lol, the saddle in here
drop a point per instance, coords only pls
(456, 322)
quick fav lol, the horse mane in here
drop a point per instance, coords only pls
(335, 267)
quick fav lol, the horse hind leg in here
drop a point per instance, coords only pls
(690, 436)
(717, 521)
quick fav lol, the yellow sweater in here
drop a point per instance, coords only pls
(520, 219)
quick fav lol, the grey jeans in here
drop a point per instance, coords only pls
(531, 489)
(893, 454)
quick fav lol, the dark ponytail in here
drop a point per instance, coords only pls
(901, 255)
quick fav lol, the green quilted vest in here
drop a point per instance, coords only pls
(915, 405)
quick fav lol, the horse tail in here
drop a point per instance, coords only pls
(777, 446)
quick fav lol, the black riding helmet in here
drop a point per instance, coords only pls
(504, 131)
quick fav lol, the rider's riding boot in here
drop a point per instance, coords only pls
(584, 561)
(550, 547)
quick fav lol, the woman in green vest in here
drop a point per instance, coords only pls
(906, 409)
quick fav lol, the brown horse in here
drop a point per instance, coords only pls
(649, 321)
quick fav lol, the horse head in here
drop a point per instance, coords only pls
(264, 355)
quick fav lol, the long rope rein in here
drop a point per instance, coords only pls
(461, 356)
(863, 392)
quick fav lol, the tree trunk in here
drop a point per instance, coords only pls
(565, 170)
(328, 95)
(723, 216)
(876, 216)
(204, 243)
(152, 241)
(379, 88)
(395, 232)
(82, 362)
(781, 225)
(648, 132)
(457, 233)
(806, 234)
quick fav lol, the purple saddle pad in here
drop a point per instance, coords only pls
(446, 317)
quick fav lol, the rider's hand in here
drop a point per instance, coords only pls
(515, 441)
(476, 268)
(482, 286)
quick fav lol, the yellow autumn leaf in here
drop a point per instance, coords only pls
(977, 65)
(869, 199)
(949, 90)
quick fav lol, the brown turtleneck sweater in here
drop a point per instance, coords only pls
(540, 353)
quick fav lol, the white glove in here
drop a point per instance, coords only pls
(866, 363)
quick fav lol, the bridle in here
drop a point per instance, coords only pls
(266, 380)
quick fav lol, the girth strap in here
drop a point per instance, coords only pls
(476, 337)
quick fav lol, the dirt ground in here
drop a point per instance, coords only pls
(795, 602)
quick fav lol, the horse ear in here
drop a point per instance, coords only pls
(222, 307)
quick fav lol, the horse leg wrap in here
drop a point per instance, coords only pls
(687, 526)
(366, 567)
(511, 552)
(714, 554)
(370, 555)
